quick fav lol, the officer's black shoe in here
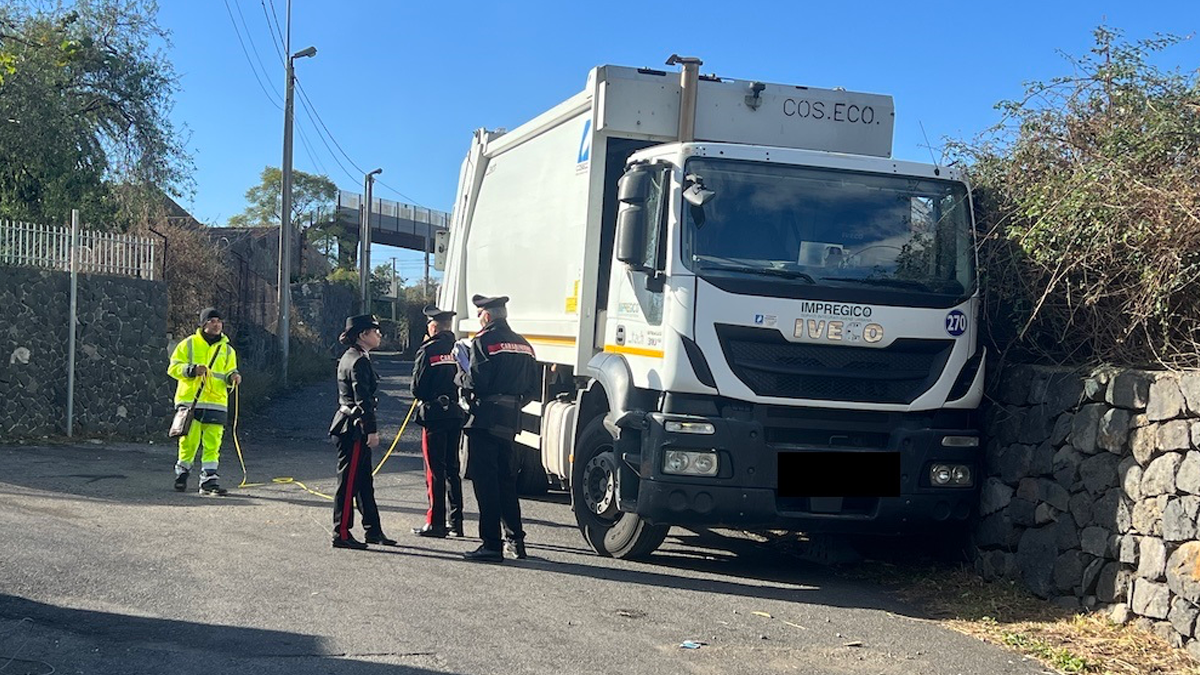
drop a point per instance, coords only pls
(429, 531)
(455, 530)
(484, 554)
(349, 542)
(181, 482)
(515, 549)
(210, 488)
(381, 539)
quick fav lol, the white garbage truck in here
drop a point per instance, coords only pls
(748, 314)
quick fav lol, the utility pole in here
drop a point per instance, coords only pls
(285, 219)
(395, 289)
(364, 245)
(74, 322)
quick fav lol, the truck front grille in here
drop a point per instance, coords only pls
(772, 366)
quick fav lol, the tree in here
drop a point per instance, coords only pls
(85, 98)
(383, 281)
(314, 199)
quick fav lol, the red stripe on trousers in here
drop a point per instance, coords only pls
(346, 508)
(428, 476)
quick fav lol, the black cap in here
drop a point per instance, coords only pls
(484, 302)
(208, 313)
(355, 325)
(435, 314)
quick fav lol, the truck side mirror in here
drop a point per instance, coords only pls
(632, 190)
(631, 235)
(634, 186)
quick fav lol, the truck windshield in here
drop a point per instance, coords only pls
(830, 227)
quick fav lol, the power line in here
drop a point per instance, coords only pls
(410, 199)
(308, 150)
(304, 95)
(277, 41)
(247, 55)
(313, 109)
(250, 38)
(276, 32)
(306, 106)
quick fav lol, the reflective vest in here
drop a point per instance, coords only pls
(193, 350)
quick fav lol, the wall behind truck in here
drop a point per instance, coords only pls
(1092, 492)
(121, 382)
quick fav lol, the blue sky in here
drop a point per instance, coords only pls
(402, 84)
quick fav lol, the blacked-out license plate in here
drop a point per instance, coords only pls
(839, 474)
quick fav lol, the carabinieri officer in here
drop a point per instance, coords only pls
(355, 433)
(501, 377)
(441, 419)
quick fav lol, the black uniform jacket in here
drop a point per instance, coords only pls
(502, 378)
(357, 382)
(433, 382)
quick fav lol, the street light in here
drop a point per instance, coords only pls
(364, 245)
(285, 224)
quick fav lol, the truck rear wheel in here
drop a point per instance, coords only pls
(594, 500)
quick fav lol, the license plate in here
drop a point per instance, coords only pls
(839, 474)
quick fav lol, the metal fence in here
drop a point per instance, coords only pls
(49, 247)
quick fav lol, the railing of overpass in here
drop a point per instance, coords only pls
(397, 210)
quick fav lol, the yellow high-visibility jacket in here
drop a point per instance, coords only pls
(193, 351)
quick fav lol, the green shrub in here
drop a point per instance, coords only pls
(1089, 212)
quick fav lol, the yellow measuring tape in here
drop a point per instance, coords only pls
(288, 480)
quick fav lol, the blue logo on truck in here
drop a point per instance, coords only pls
(956, 323)
(585, 146)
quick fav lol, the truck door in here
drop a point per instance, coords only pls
(634, 326)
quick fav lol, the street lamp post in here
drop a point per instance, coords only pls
(285, 219)
(364, 246)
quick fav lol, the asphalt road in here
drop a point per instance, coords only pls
(105, 569)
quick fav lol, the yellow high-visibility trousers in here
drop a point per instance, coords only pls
(208, 436)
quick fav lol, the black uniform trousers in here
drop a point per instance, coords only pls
(439, 444)
(355, 484)
(493, 470)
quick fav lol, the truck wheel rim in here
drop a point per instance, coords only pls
(599, 486)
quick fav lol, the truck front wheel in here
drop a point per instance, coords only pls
(594, 500)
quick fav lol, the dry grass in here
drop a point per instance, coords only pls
(1003, 614)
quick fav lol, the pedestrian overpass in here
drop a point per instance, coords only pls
(393, 223)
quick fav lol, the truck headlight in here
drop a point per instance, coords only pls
(677, 427)
(939, 474)
(961, 475)
(690, 463)
(950, 475)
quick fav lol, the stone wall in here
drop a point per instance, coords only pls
(1091, 492)
(121, 383)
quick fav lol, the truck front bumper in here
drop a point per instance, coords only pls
(752, 491)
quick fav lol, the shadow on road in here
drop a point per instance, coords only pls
(40, 638)
(708, 561)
